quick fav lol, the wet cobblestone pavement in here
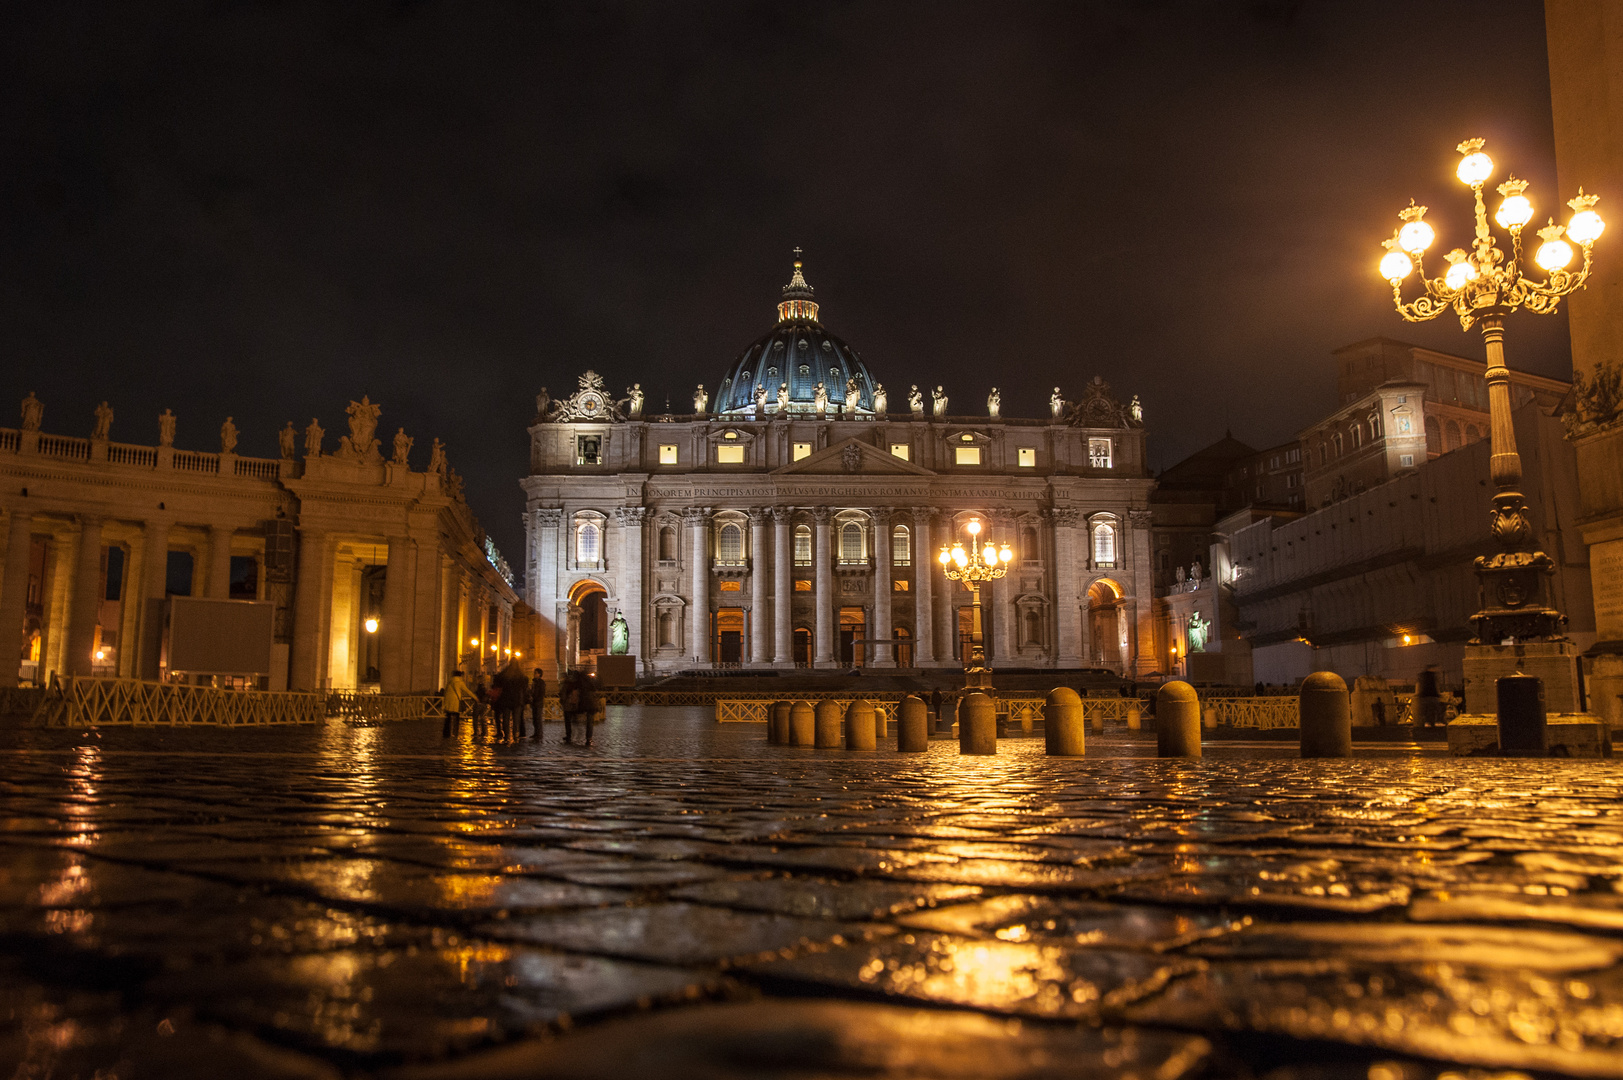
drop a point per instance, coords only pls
(684, 900)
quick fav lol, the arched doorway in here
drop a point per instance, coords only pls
(1106, 626)
(588, 623)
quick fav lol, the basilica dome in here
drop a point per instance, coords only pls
(800, 353)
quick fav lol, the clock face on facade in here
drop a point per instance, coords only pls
(591, 402)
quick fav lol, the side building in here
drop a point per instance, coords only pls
(796, 523)
(378, 574)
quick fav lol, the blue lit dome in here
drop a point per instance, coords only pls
(800, 353)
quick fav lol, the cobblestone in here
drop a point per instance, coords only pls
(684, 900)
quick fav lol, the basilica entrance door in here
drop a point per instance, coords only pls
(730, 635)
(853, 627)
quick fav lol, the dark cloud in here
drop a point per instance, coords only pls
(266, 209)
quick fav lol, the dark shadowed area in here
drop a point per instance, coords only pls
(263, 210)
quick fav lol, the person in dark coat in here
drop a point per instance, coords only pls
(1428, 698)
(569, 701)
(514, 689)
(935, 703)
(588, 703)
(538, 698)
(481, 704)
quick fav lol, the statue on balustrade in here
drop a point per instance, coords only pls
(312, 438)
(783, 398)
(820, 401)
(436, 457)
(285, 441)
(700, 400)
(33, 412)
(760, 399)
(402, 446)
(939, 398)
(228, 437)
(879, 402)
(166, 428)
(104, 421)
(915, 400)
(543, 405)
(1056, 403)
(994, 403)
(1135, 410)
(363, 422)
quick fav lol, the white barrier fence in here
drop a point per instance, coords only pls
(85, 701)
(1262, 713)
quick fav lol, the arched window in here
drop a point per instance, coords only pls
(588, 543)
(1335, 443)
(1452, 432)
(901, 546)
(851, 543)
(803, 647)
(1472, 434)
(1357, 435)
(1104, 544)
(730, 545)
(803, 545)
(1374, 425)
(904, 646)
(1434, 436)
(1323, 455)
(667, 544)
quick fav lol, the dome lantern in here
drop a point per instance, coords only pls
(797, 298)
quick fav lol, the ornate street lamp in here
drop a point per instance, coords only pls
(1482, 287)
(972, 567)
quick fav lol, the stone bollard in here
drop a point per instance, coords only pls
(802, 724)
(1064, 729)
(1177, 720)
(1522, 731)
(829, 725)
(912, 725)
(977, 724)
(1325, 716)
(859, 726)
(777, 723)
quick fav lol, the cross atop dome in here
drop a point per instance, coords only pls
(797, 297)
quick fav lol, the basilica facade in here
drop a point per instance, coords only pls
(793, 518)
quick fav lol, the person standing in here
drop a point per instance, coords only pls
(456, 695)
(569, 701)
(1428, 698)
(538, 700)
(935, 704)
(514, 688)
(481, 704)
(589, 702)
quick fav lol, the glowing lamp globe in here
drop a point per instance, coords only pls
(1514, 212)
(1585, 227)
(1415, 237)
(959, 557)
(945, 556)
(371, 624)
(1459, 274)
(1005, 555)
(974, 527)
(1395, 266)
(1554, 254)
(1474, 169)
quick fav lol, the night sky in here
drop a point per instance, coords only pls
(264, 210)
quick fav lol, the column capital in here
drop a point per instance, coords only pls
(880, 515)
(1065, 517)
(821, 514)
(781, 514)
(630, 515)
(87, 521)
(549, 518)
(695, 515)
(1140, 519)
(925, 515)
(757, 516)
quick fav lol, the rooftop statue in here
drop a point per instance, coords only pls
(1056, 403)
(1135, 410)
(783, 398)
(879, 402)
(994, 403)
(33, 412)
(285, 440)
(166, 428)
(104, 421)
(915, 400)
(402, 446)
(700, 400)
(436, 457)
(543, 404)
(853, 396)
(634, 401)
(939, 399)
(820, 401)
(312, 438)
(363, 422)
(760, 399)
(228, 437)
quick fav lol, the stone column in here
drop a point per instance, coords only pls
(394, 667)
(760, 655)
(219, 572)
(544, 589)
(923, 580)
(450, 621)
(698, 523)
(86, 597)
(154, 586)
(881, 655)
(309, 595)
(1146, 659)
(1086, 612)
(427, 619)
(823, 571)
(1067, 639)
(630, 574)
(783, 531)
(14, 594)
(1001, 597)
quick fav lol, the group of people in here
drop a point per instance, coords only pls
(504, 699)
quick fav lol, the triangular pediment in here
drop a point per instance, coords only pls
(852, 458)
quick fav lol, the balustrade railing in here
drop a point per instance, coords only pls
(259, 468)
(65, 446)
(10, 438)
(195, 461)
(145, 457)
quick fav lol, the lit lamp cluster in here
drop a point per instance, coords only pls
(1482, 286)
(972, 567)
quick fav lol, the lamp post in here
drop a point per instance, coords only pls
(1482, 288)
(972, 567)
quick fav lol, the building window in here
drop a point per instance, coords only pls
(1323, 456)
(1471, 433)
(803, 545)
(901, 546)
(729, 455)
(1028, 457)
(1453, 434)
(1336, 443)
(588, 543)
(667, 453)
(966, 455)
(1357, 435)
(1099, 453)
(802, 450)
(1406, 461)
(1374, 425)
(803, 585)
(588, 449)
(1104, 544)
(899, 585)
(732, 586)
(851, 543)
(667, 544)
(730, 545)
(901, 450)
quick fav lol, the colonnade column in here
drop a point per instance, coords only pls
(698, 522)
(543, 589)
(1003, 642)
(882, 655)
(1145, 660)
(394, 674)
(1066, 640)
(782, 586)
(923, 579)
(219, 573)
(630, 519)
(823, 570)
(1086, 612)
(759, 656)
(308, 592)
(14, 593)
(450, 620)
(154, 587)
(86, 595)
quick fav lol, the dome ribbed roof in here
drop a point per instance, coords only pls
(799, 352)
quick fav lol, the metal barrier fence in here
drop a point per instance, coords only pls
(1261, 713)
(356, 707)
(20, 700)
(86, 701)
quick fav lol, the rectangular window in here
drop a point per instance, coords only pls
(1028, 457)
(588, 449)
(803, 585)
(900, 449)
(899, 585)
(732, 586)
(803, 546)
(729, 455)
(1099, 453)
(1406, 461)
(667, 453)
(966, 455)
(802, 450)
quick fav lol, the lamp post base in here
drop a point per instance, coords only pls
(978, 678)
(1556, 662)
